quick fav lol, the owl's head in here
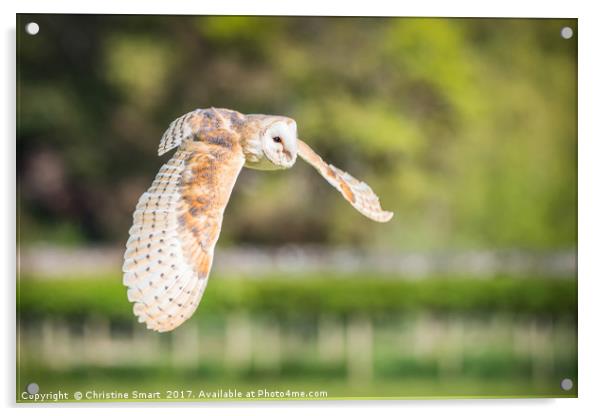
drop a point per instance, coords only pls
(276, 142)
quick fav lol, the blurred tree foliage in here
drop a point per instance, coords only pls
(466, 128)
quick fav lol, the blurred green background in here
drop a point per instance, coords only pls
(466, 129)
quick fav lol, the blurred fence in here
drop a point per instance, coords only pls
(250, 261)
(359, 348)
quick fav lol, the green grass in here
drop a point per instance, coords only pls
(311, 295)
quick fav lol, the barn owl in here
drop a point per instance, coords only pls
(177, 221)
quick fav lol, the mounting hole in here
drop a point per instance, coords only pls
(566, 32)
(32, 28)
(33, 388)
(566, 384)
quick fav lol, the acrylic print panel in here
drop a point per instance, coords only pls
(464, 129)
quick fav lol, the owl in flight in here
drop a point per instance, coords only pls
(178, 220)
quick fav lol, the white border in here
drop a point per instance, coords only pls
(590, 202)
(508, 8)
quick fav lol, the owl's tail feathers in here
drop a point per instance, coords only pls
(356, 192)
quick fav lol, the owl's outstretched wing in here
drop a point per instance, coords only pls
(358, 193)
(176, 225)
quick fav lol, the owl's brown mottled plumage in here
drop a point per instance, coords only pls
(178, 220)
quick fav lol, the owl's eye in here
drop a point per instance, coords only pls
(277, 139)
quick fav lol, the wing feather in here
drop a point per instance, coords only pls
(181, 129)
(204, 122)
(356, 192)
(176, 226)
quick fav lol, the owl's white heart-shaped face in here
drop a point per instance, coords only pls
(279, 142)
(276, 143)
